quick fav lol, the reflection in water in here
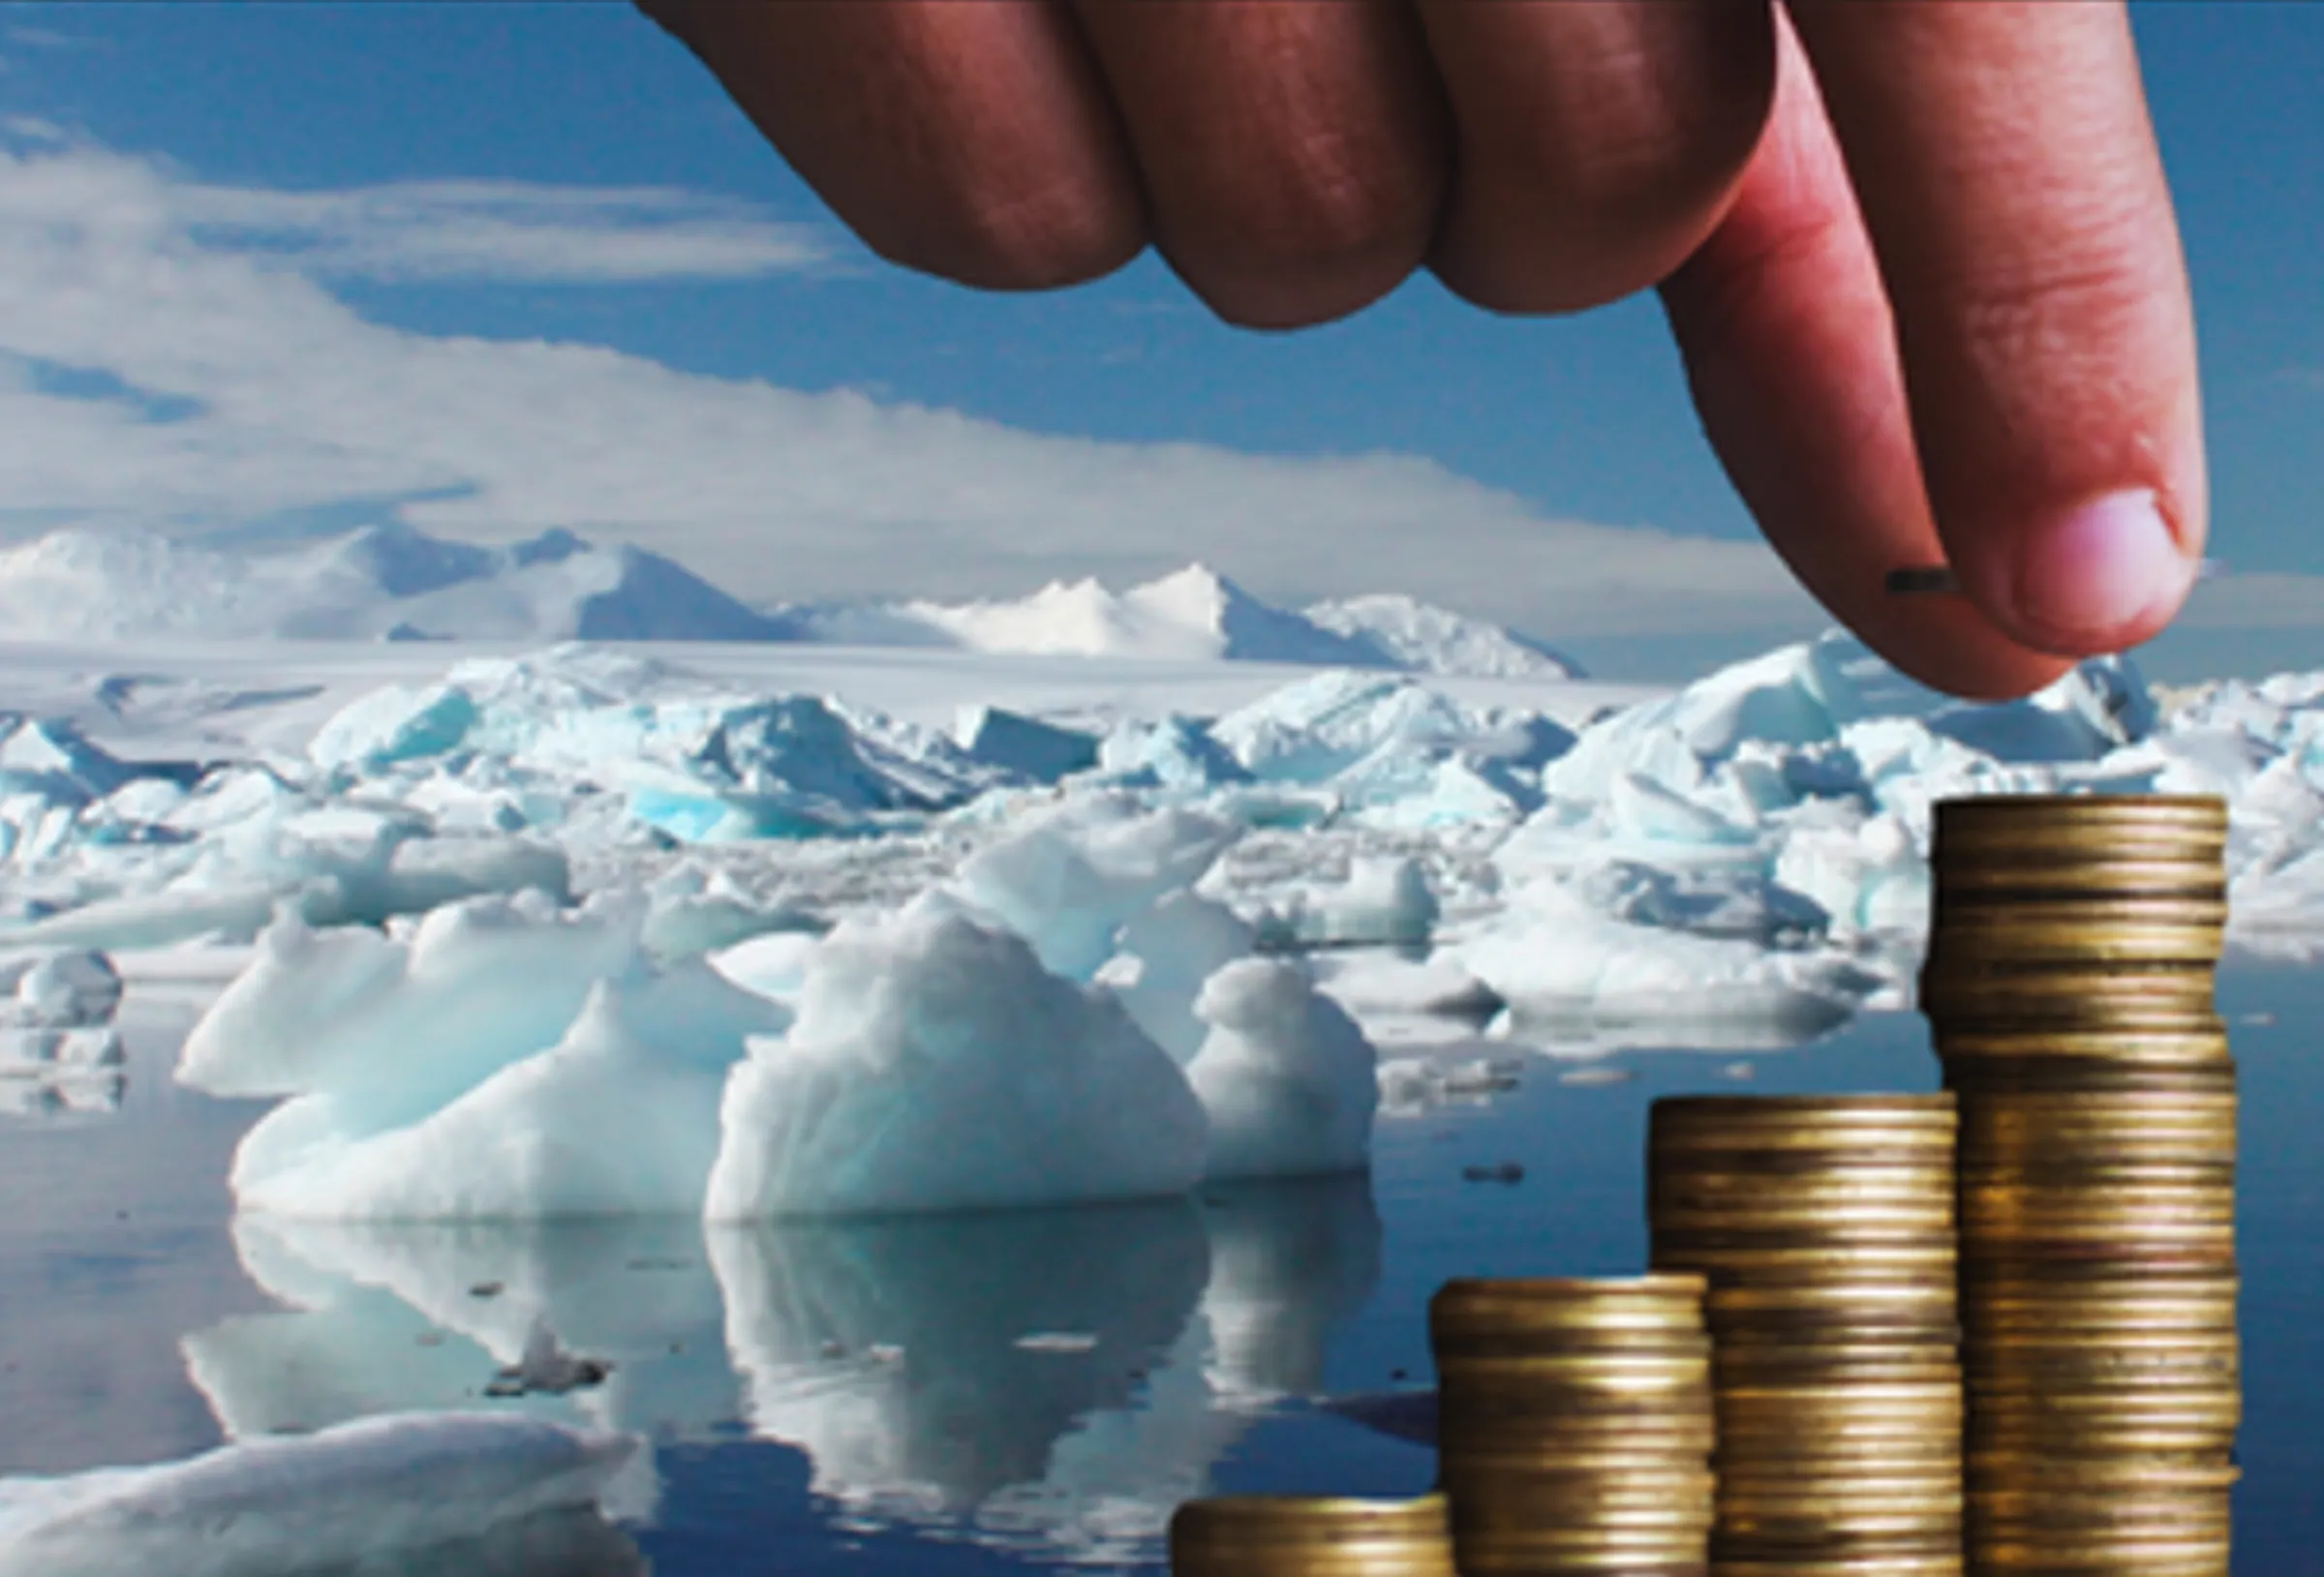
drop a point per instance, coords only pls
(44, 1093)
(926, 1363)
(1770, 1027)
(388, 1318)
(1288, 1263)
(1054, 1379)
(555, 1544)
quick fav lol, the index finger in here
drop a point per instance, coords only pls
(2008, 178)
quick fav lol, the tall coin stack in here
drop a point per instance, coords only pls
(1825, 1227)
(1258, 1535)
(2069, 987)
(1575, 1429)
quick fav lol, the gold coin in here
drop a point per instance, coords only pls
(1745, 1561)
(1901, 1123)
(1980, 1081)
(2012, 830)
(1271, 1536)
(1974, 922)
(1525, 1558)
(2078, 1560)
(2204, 1410)
(1565, 1311)
(2158, 1280)
(1808, 1257)
(1749, 1180)
(1889, 1445)
(1985, 996)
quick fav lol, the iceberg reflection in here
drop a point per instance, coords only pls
(387, 1317)
(1050, 1378)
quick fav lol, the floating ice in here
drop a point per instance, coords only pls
(503, 1060)
(355, 1496)
(1287, 1078)
(58, 991)
(1554, 957)
(935, 1064)
(1040, 751)
(1168, 951)
(1067, 882)
(56, 1012)
(1384, 902)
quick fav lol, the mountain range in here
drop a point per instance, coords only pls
(392, 582)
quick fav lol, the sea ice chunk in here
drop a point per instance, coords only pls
(1384, 902)
(1553, 958)
(1040, 751)
(1287, 1078)
(1168, 951)
(1067, 882)
(64, 989)
(935, 1065)
(408, 1021)
(361, 1492)
(618, 1116)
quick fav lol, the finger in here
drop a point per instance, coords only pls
(1292, 151)
(968, 138)
(2014, 198)
(1792, 361)
(1599, 141)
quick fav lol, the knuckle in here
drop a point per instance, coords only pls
(1314, 233)
(1008, 235)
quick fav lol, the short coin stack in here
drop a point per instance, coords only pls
(1825, 1227)
(2069, 984)
(1253, 1535)
(1574, 1425)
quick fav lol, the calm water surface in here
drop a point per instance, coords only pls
(972, 1394)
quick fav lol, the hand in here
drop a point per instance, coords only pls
(1988, 360)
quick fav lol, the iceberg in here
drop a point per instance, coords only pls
(1287, 1080)
(56, 1015)
(501, 1060)
(935, 1065)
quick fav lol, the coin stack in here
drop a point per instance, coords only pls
(1259, 1535)
(2070, 988)
(1825, 1227)
(1574, 1427)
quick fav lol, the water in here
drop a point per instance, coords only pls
(975, 1394)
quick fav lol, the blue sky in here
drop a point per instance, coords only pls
(217, 316)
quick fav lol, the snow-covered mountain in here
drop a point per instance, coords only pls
(1432, 640)
(395, 582)
(1193, 613)
(379, 583)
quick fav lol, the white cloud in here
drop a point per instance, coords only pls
(33, 129)
(498, 230)
(284, 399)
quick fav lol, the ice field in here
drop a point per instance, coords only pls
(769, 930)
(1066, 903)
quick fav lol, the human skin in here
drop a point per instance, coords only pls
(1918, 254)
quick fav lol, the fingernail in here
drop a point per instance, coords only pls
(2101, 572)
